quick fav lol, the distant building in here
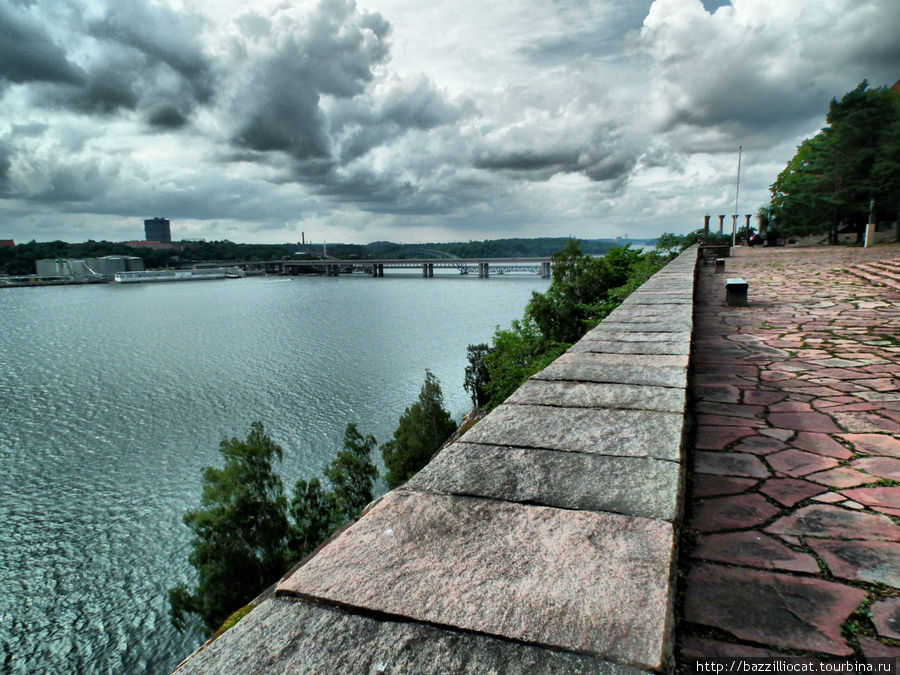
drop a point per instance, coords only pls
(155, 245)
(157, 229)
(7, 243)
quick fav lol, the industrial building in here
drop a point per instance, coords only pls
(158, 229)
(105, 267)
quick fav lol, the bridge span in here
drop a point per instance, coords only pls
(483, 267)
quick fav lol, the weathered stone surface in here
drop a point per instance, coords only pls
(772, 608)
(604, 332)
(884, 467)
(876, 496)
(650, 326)
(886, 617)
(284, 635)
(732, 513)
(599, 395)
(754, 549)
(799, 463)
(627, 433)
(730, 464)
(833, 522)
(678, 316)
(671, 347)
(789, 491)
(710, 437)
(637, 486)
(595, 583)
(588, 367)
(821, 444)
(877, 561)
(874, 444)
(699, 648)
(708, 485)
(841, 477)
(804, 421)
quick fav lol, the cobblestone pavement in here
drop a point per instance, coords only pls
(794, 497)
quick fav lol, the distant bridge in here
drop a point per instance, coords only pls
(483, 267)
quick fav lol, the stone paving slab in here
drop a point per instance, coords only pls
(772, 607)
(587, 367)
(625, 433)
(314, 639)
(678, 316)
(599, 395)
(593, 583)
(570, 480)
(753, 548)
(678, 347)
(872, 561)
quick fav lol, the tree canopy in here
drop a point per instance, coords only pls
(833, 176)
(421, 430)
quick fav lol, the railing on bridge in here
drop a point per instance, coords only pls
(484, 267)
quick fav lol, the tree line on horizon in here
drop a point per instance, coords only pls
(20, 260)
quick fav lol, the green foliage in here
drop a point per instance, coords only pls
(833, 176)
(421, 430)
(243, 538)
(584, 290)
(477, 375)
(240, 531)
(516, 354)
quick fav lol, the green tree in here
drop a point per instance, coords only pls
(421, 430)
(241, 531)
(477, 375)
(315, 514)
(833, 176)
(352, 474)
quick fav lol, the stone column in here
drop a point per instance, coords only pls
(721, 225)
(706, 225)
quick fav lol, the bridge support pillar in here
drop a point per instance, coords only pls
(484, 270)
(428, 270)
(545, 270)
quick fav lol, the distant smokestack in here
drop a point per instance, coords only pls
(303, 238)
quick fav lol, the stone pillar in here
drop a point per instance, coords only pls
(431, 270)
(425, 270)
(545, 270)
(374, 270)
(380, 269)
(706, 226)
(721, 225)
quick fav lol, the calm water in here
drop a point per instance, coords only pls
(112, 399)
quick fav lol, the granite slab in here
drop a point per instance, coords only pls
(592, 583)
(599, 395)
(626, 433)
(636, 486)
(587, 367)
(286, 635)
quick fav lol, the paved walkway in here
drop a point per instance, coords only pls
(795, 490)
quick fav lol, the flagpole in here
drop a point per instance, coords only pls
(737, 191)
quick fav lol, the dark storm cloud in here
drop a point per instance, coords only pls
(330, 52)
(28, 53)
(163, 37)
(167, 117)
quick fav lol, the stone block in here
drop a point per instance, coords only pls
(591, 583)
(599, 395)
(589, 367)
(671, 347)
(626, 433)
(285, 635)
(635, 486)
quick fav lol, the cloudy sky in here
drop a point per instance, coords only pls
(413, 121)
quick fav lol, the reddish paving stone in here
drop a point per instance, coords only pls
(708, 485)
(699, 648)
(841, 478)
(772, 608)
(723, 421)
(724, 393)
(855, 407)
(876, 496)
(753, 549)
(799, 463)
(718, 438)
(833, 522)
(732, 513)
(872, 649)
(789, 491)
(886, 510)
(730, 409)
(775, 376)
(821, 444)
(859, 422)
(729, 464)
(759, 445)
(763, 397)
(874, 444)
(886, 617)
(780, 434)
(804, 421)
(790, 406)
(871, 561)
(830, 498)
(595, 583)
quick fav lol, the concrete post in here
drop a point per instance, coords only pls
(721, 225)
(431, 270)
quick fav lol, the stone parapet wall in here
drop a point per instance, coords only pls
(543, 540)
